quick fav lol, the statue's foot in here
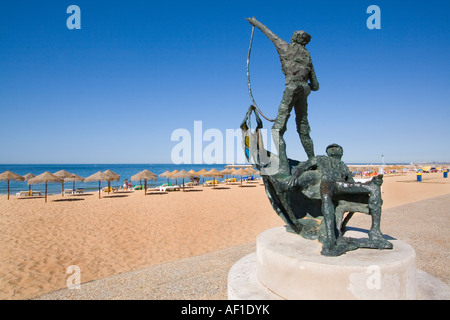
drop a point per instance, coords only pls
(379, 242)
(375, 241)
(329, 252)
(342, 246)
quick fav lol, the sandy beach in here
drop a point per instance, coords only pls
(123, 232)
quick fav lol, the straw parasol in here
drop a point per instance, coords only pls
(165, 174)
(241, 172)
(62, 174)
(146, 175)
(114, 177)
(8, 175)
(74, 177)
(27, 177)
(213, 173)
(182, 175)
(201, 173)
(226, 171)
(251, 170)
(99, 176)
(45, 177)
(172, 175)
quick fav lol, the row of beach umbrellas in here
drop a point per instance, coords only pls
(214, 173)
(108, 176)
(58, 177)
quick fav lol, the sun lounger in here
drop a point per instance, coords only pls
(27, 193)
(229, 180)
(68, 191)
(169, 188)
(79, 190)
(211, 183)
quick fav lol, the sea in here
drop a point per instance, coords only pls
(85, 170)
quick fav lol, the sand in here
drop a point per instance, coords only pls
(123, 232)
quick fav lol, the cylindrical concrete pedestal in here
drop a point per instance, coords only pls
(291, 267)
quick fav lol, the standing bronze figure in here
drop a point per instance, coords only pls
(301, 79)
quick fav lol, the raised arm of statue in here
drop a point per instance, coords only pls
(314, 84)
(279, 43)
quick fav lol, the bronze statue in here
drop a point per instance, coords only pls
(298, 69)
(311, 197)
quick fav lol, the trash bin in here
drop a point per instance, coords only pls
(445, 173)
(419, 176)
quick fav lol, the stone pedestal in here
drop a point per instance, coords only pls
(287, 266)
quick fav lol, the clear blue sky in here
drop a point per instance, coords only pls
(114, 91)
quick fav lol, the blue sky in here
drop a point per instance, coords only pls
(114, 91)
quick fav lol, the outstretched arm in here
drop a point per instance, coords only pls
(279, 43)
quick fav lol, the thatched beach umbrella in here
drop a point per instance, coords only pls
(194, 173)
(146, 175)
(8, 176)
(165, 174)
(99, 176)
(45, 177)
(27, 177)
(241, 172)
(74, 177)
(172, 175)
(213, 173)
(182, 175)
(251, 170)
(201, 173)
(226, 171)
(62, 174)
(114, 177)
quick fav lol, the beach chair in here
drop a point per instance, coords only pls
(79, 190)
(230, 180)
(169, 188)
(23, 194)
(68, 191)
(210, 183)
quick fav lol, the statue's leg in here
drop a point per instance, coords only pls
(326, 191)
(303, 128)
(373, 189)
(375, 203)
(339, 214)
(341, 222)
(279, 128)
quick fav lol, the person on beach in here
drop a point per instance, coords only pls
(301, 79)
